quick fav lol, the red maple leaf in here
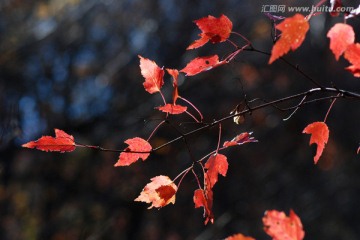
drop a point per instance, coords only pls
(138, 148)
(204, 198)
(172, 109)
(175, 74)
(159, 192)
(212, 29)
(319, 134)
(293, 34)
(352, 54)
(281, 227)
(239, 236)
(354, 70)
(201, 64)
(216, 164)
(341, 36)
(153, 74)
(240, 139)
(62, 142)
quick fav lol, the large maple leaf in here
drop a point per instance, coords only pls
(159, 192)
(215, 165)
(204, 198)
(319, 134)
(352, 54)
(138, 148)
(212, 29)
(239, 236)
(341, 36)
(153, 74)
(201, 64)
(281, 227)
(62, 142)
(293, 34)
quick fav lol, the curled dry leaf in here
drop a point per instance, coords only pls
(153, 74)
(175, 75)
(341, 36)
(62, 142)
(319, 134)
(159, 192)
(138, 148)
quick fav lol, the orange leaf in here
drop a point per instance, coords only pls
(341, 36)
(212, 29)
(240, 139)
(134, 151)
(159, 192)
(175, 74)
(172, 109)
(153, 74)
(354, 70)
(319, 134)
(352, 54)
(279, 226)
(62, 142)
(216, 164)
(293, 34)
(239, 236)
(205, 199)
(201, 64)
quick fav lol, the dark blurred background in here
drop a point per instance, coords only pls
(73, 65)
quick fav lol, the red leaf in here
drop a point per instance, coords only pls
(358, 151)
(133, 152)
(159, 192)
(153, 74)
(175, 74)
(354, 70)
(239, 236)
(212, 29)
(280, 227)
(62, 142)
(341, 36)
(334, 6)
(205, 199)
(172, 109)
(293, 34)
(216, 164)
(201, 64)
(319, 134)
(240, 139)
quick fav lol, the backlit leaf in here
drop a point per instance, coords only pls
(335, 5)
(352, 54)
(281, 227)
(205, 199)
(341, 36)
(239, 236)
(153, 74)
(216, 164)
(172, 109)
(201, 64)
(134, 152)
(159, 192)
(293, 34)
(62, 142)
(319, 134)
(240, 139)
(212, 29)
(175, 74)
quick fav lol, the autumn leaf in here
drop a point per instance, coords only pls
(205, 199)
(354, 70)
(62, 142)
(319, 134)
(175, 75)
(239, 236)
(352, 54)
(334, 6)
(293, 34)
(216, 164)
(212, 29)
(153, 74)
(172, 109)
(159, 192)
(240, 139)
(201, 64)
(134, 151)
(280, 227)
(341, 36)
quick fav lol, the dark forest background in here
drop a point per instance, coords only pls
(73, 65)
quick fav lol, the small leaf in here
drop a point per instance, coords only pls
(153, 74)
(201, 64)
(319, 134)
(341, 36)
(239, 236)
(134, 151)
(212, 29)
(175, 74)
(352, 54)
(216, 164)
(334, 6)
(280, 227)
(62, 142)
(293, 34)
(159, 192)
(354, 70)
(172, 109)
(205, 199)
(240, 139)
